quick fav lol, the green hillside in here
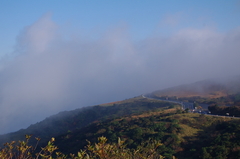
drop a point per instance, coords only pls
(143, 127)
(180, 134)
(184, 135)
(68, 121)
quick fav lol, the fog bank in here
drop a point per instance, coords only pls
(49, 73)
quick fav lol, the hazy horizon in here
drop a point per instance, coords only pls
(85, 54)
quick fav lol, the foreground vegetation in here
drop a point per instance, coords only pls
(99, 150)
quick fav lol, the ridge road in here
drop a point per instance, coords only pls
(188, 105)
(184, 105)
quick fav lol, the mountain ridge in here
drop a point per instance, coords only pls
(210, 88)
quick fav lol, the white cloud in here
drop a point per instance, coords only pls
(51, 74)
(37, 37)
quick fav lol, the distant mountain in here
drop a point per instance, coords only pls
(206, 88)
(232, 84)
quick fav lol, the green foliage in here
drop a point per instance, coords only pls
(187, 110)
(23, 150)
(224, 110)
(99, 150)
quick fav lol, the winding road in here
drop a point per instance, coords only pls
(184, 105)
(188, 105)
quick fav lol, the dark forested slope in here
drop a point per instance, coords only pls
(68, 121)
(184, 135)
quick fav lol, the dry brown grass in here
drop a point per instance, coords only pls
(182, 94)
(123, 101)
(173, 110)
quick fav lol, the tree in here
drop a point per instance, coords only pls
(195, 105)
(205, 154)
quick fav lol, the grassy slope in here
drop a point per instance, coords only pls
(188, 128)
(206, 89)
(76, 119)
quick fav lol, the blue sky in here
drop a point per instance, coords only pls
(142, 18)
(62, 55)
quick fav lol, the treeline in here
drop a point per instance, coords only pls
(233, 111)
(227, 106)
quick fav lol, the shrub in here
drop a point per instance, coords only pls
(100, 150)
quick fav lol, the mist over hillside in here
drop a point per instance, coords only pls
(48, 72)
(211, 88)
